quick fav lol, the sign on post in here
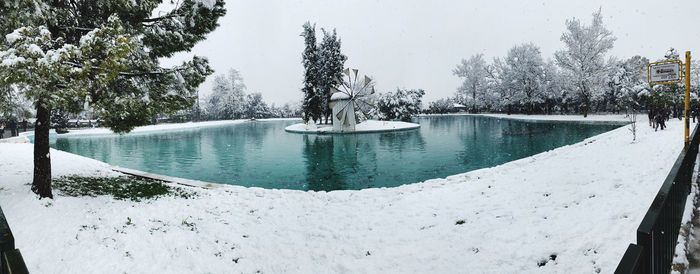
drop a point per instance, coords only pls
(669, 72)
(665, 72)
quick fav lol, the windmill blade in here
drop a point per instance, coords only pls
(372, 91)
(334, 90)
(347, 72)
(355, 71)
(336, 80)
(367, 80)
(371, 104)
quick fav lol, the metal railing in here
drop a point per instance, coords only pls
(11, 261)
(658, 233)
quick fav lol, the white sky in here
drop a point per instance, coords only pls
(417, 43)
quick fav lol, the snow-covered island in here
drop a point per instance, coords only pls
(369, 126)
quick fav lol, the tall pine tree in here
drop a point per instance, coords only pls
(311, 105)
(331, 64)
(101, 54)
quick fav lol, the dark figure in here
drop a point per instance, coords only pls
(660, 121)
(13, 127)
(24, 125)
(651, 117)
(2, 129)
(77, 123)
(692, 114)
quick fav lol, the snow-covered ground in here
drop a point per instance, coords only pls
(364, 127)
(171, 126)
(571, 210)
(593, 118)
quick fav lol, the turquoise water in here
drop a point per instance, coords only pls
(262, 154)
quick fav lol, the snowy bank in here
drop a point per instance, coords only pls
(369, 126)
(569, 210)
(163, 127)
(592, 118)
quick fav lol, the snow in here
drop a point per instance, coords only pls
(209, 4)
(35, 49)
(685, 237)
(581, 202)
(340, 96)
(364, 127)
(15, 35)
(594, 118)
(166, 127)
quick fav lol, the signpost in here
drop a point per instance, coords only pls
(671, 72)
(666, 72)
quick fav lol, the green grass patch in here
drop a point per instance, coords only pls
(121, 188)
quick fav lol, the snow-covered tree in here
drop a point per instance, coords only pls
(524, 73)
(443, 105)
(583, 60)
(227, 99)
(101, 54)
(331, 65)
(552, 90)
(626, 82)
(400, 105)
(496, 96)
(59, 119)
(312, 104)
(255, 106)
(473, 71)
(672, 54)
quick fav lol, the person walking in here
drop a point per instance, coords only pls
(2, 129)
(660, 121)
(24, 125)
(651, 117)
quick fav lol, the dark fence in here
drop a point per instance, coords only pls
(11, 261)
(658, 233)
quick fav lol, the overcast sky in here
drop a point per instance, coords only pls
(417, 43)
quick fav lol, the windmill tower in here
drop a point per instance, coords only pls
(351, 99)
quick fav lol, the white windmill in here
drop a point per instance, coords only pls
(351, 99)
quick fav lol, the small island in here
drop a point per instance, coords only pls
(369, 126)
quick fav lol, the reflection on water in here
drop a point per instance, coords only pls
(262, 154)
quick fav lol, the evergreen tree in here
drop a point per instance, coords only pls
(101, 54)
(59, 119)
(311, 106)
(331, 65)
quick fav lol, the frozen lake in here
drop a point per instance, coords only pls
(262, 154)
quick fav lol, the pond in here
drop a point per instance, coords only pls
(262, 154)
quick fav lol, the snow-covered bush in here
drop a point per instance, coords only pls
(444, 105)
(399, 105)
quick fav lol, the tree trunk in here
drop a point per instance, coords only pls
(42, 162)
